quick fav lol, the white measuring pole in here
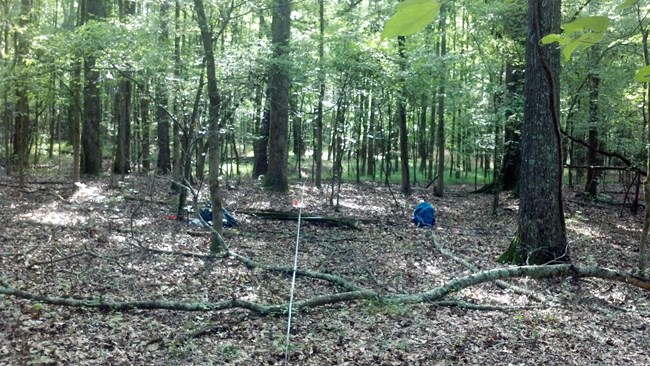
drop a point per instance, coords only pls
(293, 277)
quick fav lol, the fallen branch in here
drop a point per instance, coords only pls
(279, 215)
(250, 263)
(145, 200)
(453, 286)
(501, 284)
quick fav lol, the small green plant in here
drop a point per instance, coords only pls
(404, 346)
(180, 349)
(229, 352)
(279, 344)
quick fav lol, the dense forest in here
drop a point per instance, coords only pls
(309, 131)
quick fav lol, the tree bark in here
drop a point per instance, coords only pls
(542, 230)
(91, 159)
(279, 82)
(261, 144)
(643, 245)
(261, 121)
(440, 183)
(123, 110)
(593, 158)
(372, 138)
(405, 186)
(21, 128)
(318, 147)
(163, 164)
(214, 142)
(146, 134)
(512, 130)
(177, 147)
(122, 162)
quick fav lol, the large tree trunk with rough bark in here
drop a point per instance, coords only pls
(122, 161)
(91, 159)
(542, 231)
(279, 84)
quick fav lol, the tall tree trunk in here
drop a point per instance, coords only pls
(21, 128)
(432, 137)
(643, 245)
(261, 121)
(318, 148)
(439, 188)
(405, 186)
(279, 83)
(422, 135)
(123, 110)
(512, 131)
(177, 146)
(146, 133)
(122, 107)
(261, 144)
(216, 244)
(74, 116)
(7, 109)
(372, 139)
(186, 149)
(54, 134)
(91, 159)
(163, 164)
(542, 231)
(593, 158)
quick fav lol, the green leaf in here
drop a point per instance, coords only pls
(627, 4)
(595, 23)
(643, 75)
(550, 38)
(411, 16)
(581, 43)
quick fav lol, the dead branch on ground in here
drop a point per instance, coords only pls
(453, 286)
(465, 263)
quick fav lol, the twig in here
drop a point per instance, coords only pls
(61, 259)
(471, 306)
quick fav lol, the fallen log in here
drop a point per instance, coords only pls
(280, 215)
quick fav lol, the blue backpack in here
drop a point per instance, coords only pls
(424, 215)
(228, 219)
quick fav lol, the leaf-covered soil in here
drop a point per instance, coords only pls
(44, 224)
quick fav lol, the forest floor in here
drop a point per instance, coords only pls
(89, 244)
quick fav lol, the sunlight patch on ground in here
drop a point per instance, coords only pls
(52, 214)
(355, 205)
(251, 294)
(259, 205)
(86, 193)
(583, 227)
(628, 228)
(146, 221)
(586, 231)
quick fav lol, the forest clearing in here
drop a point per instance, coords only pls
(212, 182)
(102, 244)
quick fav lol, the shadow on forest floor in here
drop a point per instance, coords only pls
(584, 322)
